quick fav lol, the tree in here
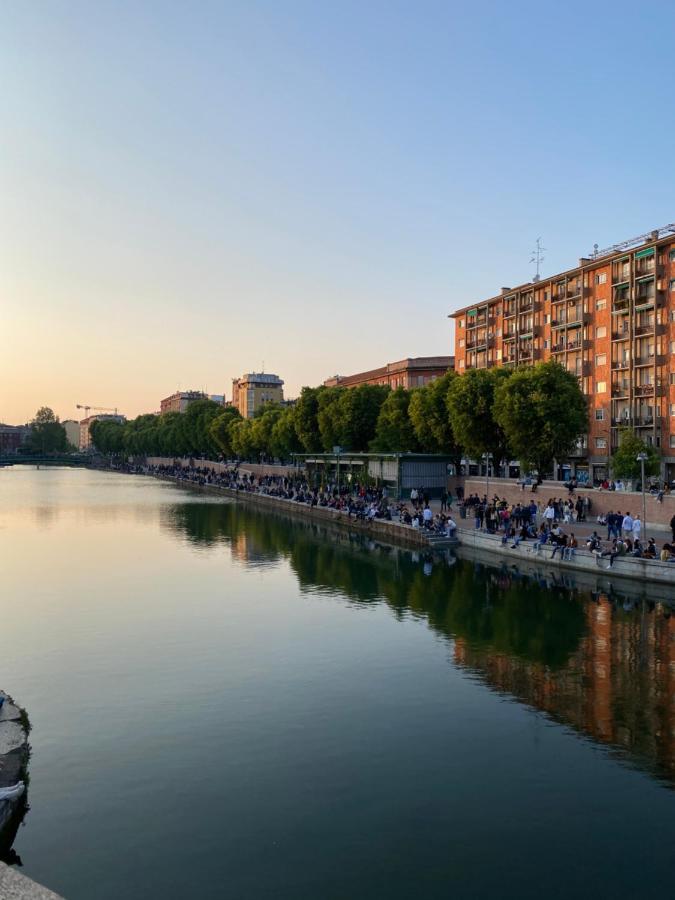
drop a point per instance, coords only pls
(470, 402)
(241, 438)
(624, 462)
(430, 418)
(328, 416)
(219, 429)
(284, 440)
(394, 430)
(47, 434)
(306, 412)
(542, 412)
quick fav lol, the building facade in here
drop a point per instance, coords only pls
(406, 373)
(611, 321)
(180, 401)
(72, 431)
(13, 437)
(255, 389)
(85, 436)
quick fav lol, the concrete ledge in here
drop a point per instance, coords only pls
(15, 886)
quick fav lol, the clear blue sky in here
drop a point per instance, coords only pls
(190, 189)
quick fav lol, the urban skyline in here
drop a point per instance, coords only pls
(169, 224)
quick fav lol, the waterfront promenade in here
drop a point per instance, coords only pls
(388, 520)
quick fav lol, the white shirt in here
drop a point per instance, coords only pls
(637, 528)
(549, 513)
(627, 523)
(427, 514)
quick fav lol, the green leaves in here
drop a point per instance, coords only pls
(624, 459)
(542, 412)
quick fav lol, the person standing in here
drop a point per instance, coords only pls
(672, 527)
(637, 529)
(627, 525)
(444, 501)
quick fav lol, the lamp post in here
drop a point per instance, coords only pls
(641, 458)
(487, 477)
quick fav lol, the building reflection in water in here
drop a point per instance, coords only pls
(597, 658)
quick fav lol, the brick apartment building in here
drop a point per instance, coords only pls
(407, 373)
(611, 321)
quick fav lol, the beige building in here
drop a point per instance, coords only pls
(85, 437)
(180, 401)
(72, 431)
(254, 390)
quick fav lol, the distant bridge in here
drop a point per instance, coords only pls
(20, 459)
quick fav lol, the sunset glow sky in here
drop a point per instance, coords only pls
(190, 190)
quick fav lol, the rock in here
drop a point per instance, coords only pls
(12, 737)
(9, 712)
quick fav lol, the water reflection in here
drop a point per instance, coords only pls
(596, 658)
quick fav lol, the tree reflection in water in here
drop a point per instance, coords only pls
(598, 660)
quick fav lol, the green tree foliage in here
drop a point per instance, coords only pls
(347, 417)
(624, 459)
(394, 429)
(430, 418)
(306, 422)
(241, 438)
(470, 404)
(284, 440)
(47, 434)
(542, 411)
(328, 417)
(220, 429)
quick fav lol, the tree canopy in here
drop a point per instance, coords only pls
(394, 430)
(470, 403)
(543, 412)
(624, 463)
(47, 434)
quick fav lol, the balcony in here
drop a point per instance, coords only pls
(509, 312)
(620, 364)
(558, 348)
(647, 328)
(574, 345)
(643, 421)
(644, 390)
(621, 303)
(620, 388)
(646, 360)
(622, 335)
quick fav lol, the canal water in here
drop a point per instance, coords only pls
(230, 703)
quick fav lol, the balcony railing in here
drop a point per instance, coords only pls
(620, 363)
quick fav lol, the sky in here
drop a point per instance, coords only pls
(193, 191)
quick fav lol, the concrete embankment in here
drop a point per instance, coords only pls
(392, 532)
(626, 567)
(14, 753)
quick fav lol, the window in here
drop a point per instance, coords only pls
(672, 440)
(461, 342)
(600, 304)
(672, 346)
(672, 284)
(545, 345)
(460, 324)
(601, 278)
(672, 254)
(601, 387)
(601, 443)
(601, 331)
(672, 377)
(599, 415)
(461, 363)
(547, 319)
(601, 359)
(672, 409)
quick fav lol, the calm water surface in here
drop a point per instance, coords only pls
(228, 704)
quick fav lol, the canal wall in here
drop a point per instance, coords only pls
(650, 571)
(658, 514)
(15, 886)
(257, 469)
(393, 532)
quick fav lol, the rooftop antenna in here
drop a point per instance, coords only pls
(263, 368)
(538, 257)
(595, 251)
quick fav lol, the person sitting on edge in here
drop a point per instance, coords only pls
(427, 516)
(593, 543)
(569, 552)
(649, 551)
(450, 527)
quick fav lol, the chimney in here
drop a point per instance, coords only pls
(505, 290)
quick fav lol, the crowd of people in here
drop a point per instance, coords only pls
(543, 526)
(540, 523)
(357, 501)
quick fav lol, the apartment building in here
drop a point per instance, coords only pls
(253, 390)
(408, 373)
(85, 424)
(180, 401)
(611, 321)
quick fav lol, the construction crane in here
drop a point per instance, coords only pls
(97, 408)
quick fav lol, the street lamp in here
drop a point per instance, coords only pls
(641, 458)
(487, 477)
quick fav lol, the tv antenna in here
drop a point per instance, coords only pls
(538, 258)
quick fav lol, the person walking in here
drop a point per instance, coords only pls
(627, 525)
